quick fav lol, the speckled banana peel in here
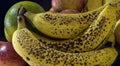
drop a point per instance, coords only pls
(35, 53)
(90, 39)
(62, 26)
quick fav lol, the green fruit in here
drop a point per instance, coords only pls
(10, 21)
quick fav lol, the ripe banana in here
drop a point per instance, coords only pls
(63, 26)
(109, 1)
(117, 4)
(117, 32)
(92, 5)
(35, 53)
(90, 39)
(109, 41)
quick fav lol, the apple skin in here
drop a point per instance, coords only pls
(8, 56)
(59, 5)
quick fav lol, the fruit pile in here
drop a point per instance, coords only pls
(71, 33)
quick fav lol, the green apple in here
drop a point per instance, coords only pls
(10, 21)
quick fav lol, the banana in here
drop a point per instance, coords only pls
(109, 1)
(118, 6)
(117, 32)
(90, 39)
(63, 26)
(35, 53)
(109, 41)
(92, 5)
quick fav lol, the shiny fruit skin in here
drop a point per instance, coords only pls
(59, 5)
(8, 56)
(10, 21)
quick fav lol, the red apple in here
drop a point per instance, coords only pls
(59, 5)
(8, 56)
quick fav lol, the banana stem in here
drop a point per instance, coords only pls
(21, 18)
(21, 11)
(21, 22)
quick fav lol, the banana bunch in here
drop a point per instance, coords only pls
(84, 39)
(62, 26)
(78, 44)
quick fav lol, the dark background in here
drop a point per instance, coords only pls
(46, 4)
(6, 4)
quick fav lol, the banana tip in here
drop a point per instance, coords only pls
(21, 11)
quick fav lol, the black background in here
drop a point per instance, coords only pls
(6, 4)
(46, 4)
